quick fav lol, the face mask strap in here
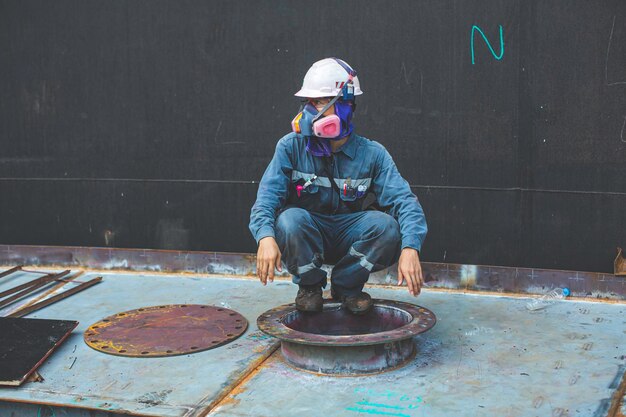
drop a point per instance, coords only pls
(348, 88)
(346, 67)
(326, 107)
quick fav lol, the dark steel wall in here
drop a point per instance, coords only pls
(149, 123)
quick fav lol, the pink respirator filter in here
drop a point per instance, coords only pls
(327, 127)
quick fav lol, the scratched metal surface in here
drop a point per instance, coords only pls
(487, 356)
(78, 376)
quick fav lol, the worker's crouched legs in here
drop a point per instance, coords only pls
(374, 243)
(300, 243)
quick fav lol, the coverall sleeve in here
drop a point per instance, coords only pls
(394, 192)
(272, 193)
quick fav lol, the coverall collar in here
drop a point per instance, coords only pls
(349, 148)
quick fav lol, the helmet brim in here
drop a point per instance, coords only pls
(319, 94)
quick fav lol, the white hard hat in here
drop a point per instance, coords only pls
(325, 78)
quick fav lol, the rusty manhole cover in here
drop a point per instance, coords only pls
(167, 330)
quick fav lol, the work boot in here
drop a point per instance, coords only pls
(309, 298)
(358, 304)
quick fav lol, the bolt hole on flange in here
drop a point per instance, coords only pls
(337, 342)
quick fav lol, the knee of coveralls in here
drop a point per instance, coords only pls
(377, 245)
(300, 242)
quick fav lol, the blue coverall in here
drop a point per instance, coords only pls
(322, 225)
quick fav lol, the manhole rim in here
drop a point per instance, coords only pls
(270, 322)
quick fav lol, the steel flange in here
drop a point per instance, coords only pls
(337, 342)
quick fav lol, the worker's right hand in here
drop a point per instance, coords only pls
(267, 258)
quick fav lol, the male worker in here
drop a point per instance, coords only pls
(315, 201)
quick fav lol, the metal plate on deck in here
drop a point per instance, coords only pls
(166, 330)
(26, 344)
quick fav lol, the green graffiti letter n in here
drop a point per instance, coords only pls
(498, 57)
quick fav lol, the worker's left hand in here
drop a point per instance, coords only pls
(409, 269)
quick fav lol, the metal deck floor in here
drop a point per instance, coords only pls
(486, 356)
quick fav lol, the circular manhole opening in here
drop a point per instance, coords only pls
(336, 321)
(337, 342)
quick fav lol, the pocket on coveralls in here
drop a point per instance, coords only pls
(357, 190)
(311, 189)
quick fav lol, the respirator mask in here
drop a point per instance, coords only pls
(320, 129)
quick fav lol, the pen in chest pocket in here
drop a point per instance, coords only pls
(308, 182)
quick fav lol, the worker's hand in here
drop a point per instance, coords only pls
(409, 269)
(267, 258)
